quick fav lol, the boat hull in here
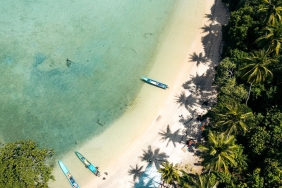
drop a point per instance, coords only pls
(68, 175)
(87, 164)
(154, 82)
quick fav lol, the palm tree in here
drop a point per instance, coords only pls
(219, 152)
(169, 173)
(234, 118)
(256, 71)
(272, 10)
(197, 181)
(272, 39)
(154, 156)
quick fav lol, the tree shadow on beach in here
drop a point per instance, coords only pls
(217, 16)
(136, 172)
(150, 178)
(181, 98)
(212, 41)
(209, 16)
(198, 58)
(154, 156)
(201, 87)
(193, 129)
(207, 40)
(188, 101)
(194, 84)
(142, 184)
(172, 137)
(206, 28)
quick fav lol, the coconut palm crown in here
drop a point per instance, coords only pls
(233, 119)
(219, 152)
(272, 38)
(272, 10)
(256, 71)
(197, 181)
(169, 172)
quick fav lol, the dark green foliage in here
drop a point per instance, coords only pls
(254, 180)
(270, 92)
(23, 164)
(234, 91)
(271, 11)
(233, 118)
(252, 54)
(241, 24)
(272, 172)
(169, 173)
(198, 181)
(266, 139)
(219, 153)
(256, 71)
(224, 72)
(234, 4)
(271, 38)
(251, 57)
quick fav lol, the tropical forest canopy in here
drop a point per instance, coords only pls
(243, 142)
(23, 164)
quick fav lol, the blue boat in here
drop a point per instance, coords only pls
(68, 175)
(154, 82)
(87, 164)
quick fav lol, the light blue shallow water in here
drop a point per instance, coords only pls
(59, 103)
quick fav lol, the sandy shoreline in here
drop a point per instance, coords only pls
(152, 110)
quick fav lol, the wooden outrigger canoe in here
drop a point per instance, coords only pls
(154, 82)
(68, 175)
(87, 164)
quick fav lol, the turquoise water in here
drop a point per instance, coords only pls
(61, 103)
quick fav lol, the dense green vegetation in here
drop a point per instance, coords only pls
(243, 145)
(23, 164)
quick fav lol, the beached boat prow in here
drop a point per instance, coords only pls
(68, 175)
(87, 164)
(154, 82)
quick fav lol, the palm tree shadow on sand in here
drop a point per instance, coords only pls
(188, 101)
(172, 137)
(154, 156)
(150, 178)
(201, 87)
(181, 98)
(136, 172)
(198, 58)
(193, 129)
(206, 28)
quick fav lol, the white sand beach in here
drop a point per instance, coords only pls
(154, 109)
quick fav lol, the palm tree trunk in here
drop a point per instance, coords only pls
(249, 93)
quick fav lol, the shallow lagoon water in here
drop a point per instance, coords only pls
(60, 103)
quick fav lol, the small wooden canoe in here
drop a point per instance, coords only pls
(87, 164)
(68, 175)
(154, 82)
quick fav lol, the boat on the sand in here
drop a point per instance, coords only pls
(68, 175)
(87, 164)
(154, 82)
